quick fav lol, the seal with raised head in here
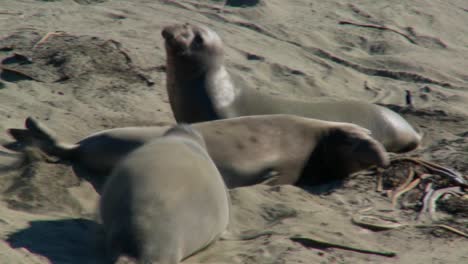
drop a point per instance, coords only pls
(281, 149)
(165, 201)
(200, 89)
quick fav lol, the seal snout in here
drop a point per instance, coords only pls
(167, 33)
(371, 153)
(178, 38)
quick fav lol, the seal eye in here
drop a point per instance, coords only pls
(197, 41)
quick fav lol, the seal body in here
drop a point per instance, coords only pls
(200, 89)
(252, 149)
(101, 151)
(165, 201)
(247, 150)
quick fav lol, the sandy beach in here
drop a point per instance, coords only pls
(81, 66)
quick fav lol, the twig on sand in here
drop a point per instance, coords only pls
(378, 27)
(379, 187)
(409, 179)
(360, 221)
(439, 193)
(440, 170)
(47, 36)
(409, 187)
(399, 189)
(430, 198)
(6, 12)
(446, 227)
(316, 243)
(431, 195)
(428, 193)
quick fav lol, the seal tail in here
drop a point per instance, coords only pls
(38, 135)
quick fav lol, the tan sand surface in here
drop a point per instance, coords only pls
(105, 68)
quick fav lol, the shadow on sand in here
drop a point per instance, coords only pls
(60, 241)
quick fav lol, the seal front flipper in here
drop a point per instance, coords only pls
(270, 178)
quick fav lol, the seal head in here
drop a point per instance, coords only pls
(196, 74)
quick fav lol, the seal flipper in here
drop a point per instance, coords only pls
(270, 178)
(38, 135)
(39, 131)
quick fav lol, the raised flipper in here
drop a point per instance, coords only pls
(38, 135)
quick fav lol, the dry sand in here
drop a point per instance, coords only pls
(107, 70)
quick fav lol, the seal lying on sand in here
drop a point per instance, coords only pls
(200, 89)
(165, 201)
(247, 150)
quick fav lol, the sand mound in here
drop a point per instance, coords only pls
(58, 57)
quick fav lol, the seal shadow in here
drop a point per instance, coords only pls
(323, 188)
(60, 241)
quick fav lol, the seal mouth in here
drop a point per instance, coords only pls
(179, 50)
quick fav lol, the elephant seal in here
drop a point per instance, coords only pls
(165, 201)
(200, 89)
(247, 150)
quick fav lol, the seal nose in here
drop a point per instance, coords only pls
(167, 34)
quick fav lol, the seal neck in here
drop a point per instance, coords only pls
(222, 92)
(200, 94)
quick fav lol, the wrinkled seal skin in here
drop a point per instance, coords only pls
(247, 150)
(200, 89)
(165, 201)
